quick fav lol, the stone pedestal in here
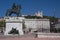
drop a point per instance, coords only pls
(13, 22)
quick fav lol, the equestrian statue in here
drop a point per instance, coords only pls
(15, 9)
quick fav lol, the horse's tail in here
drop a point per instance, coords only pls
(7, 12)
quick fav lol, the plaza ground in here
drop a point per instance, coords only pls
(28, 38)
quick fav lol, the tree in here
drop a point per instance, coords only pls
(52, 19)
(2, 23)
(24, 25)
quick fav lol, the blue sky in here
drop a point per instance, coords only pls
(32, 6)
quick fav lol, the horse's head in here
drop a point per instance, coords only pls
(16, 7)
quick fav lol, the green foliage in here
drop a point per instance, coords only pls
(55, 30)
(52, 19)
(58, 30)
(32, 17)
(24, 26)
(2, 23)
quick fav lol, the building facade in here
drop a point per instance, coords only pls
(38, 24)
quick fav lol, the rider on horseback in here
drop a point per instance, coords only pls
(14, 6)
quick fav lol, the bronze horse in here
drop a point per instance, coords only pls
(15, 9)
